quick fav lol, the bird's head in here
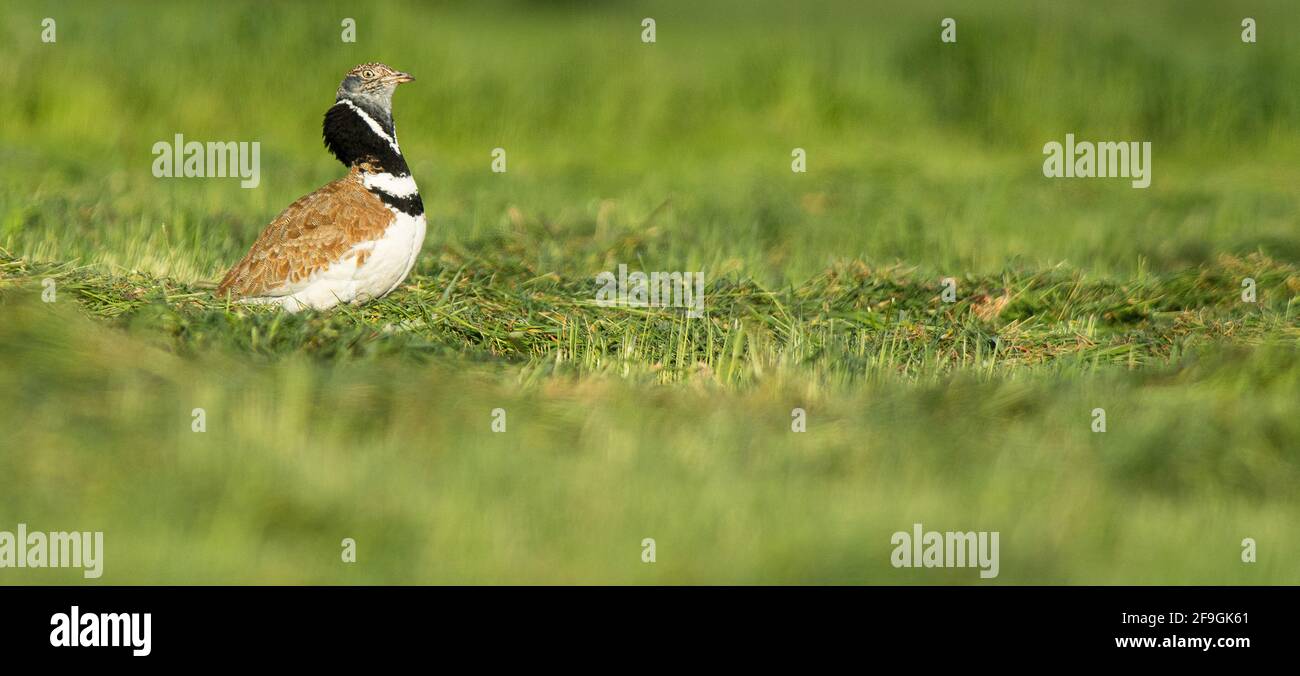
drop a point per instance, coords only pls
(371, 86)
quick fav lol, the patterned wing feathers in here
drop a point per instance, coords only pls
(312, 233)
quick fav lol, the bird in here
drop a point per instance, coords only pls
(356, 238)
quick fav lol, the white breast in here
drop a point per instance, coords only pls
(387, 261)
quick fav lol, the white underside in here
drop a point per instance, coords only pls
(389, 260)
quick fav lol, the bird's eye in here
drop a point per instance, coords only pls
(368, 74)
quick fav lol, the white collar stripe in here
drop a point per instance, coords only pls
(370, 122)
(397, 186)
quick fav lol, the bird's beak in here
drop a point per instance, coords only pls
(400, 77)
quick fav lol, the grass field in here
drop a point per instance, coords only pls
(824, 293)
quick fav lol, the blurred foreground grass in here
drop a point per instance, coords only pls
(375, 424)
(400, 456)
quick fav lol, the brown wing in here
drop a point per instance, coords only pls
(313, 232)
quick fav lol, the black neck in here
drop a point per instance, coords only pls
(353, 141)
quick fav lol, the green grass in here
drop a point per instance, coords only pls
(624, 423)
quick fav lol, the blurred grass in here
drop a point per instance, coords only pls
(919, 152)
(924, 162)
(400, 457)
